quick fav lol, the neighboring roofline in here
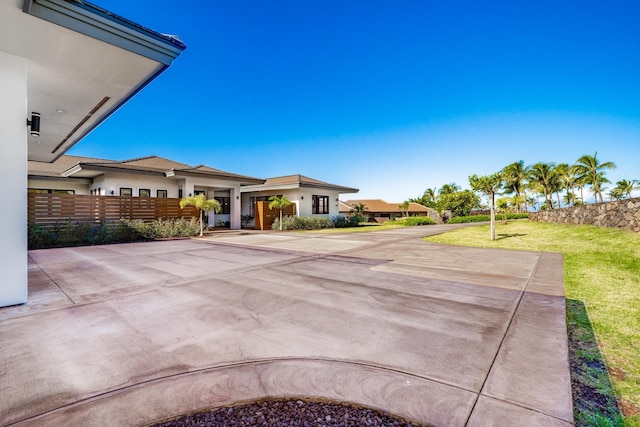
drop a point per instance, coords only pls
(96, 22)
(230, 176)
(108, 167)
(293, 186)
(59, 178)
(300, 182)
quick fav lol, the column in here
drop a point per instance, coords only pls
(234, 218)
(13, 175)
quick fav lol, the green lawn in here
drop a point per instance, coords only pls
(602, 286)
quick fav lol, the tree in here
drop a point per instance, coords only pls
(448, 189)
(515, 178)
(202, 204)
(616, 193)
(503, 206)
(570, 198)
(359, 211)
(427, 199)
(404, 207)
(459, 203)
(279, 203)
(543, 177)
(592, 172)
(597, 185)
(625, 187)
(488, 185)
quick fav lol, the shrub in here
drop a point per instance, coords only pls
(343, 222)
(302, 223)
(416, 220)
(79, 234)
(482, 218)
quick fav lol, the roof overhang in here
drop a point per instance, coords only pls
(83, 63)
(243, 180)
(294, 186)
(83, 170)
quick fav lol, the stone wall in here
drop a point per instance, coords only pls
(619, 214)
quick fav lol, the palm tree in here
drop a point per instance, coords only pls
(202, 204)
(515, 177)
(488, 185)
(279, 203)
(404, 207)
(588, 168)
(626, 186)
(448, 189)
(502, 204)
(517, 201)
(616, 193)
(543, 177)
(359, 210)
(428, 198)
(570, 198)
(596, 185)
(567, 180)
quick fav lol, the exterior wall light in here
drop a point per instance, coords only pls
(34, 123)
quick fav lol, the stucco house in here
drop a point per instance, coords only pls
(151, 176)
(378, 210)
(155, 176)
(311, 196)
(65, 67)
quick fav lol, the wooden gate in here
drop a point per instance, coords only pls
(265, 217)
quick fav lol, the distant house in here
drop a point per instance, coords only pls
(151, 176)
(378, 210)
(155, 176)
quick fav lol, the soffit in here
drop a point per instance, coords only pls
(72, 72)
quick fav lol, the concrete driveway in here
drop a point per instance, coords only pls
(132, 333)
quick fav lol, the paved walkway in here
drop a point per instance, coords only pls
(131, 333)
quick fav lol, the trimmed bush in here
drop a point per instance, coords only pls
(344, 222)
(416, 220)
(82, 234)
(482, 218)
(302, 223)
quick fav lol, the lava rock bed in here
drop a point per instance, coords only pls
(288, 413)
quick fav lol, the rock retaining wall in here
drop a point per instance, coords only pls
(620, 214)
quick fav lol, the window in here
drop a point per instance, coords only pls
(180, 193)
(320, 204)
(162, 194)
(124, 191)
(199, 192)
(47, 191)
(144, 192)
(225, 204)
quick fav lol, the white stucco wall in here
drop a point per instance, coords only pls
(79, 188)
(13, 174)
(302, 197)
(114, 182)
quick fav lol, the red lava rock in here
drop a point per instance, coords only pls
(288, 413)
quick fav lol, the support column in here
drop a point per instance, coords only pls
(13, 175)
(236, 211)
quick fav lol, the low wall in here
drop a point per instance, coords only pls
(620, 214)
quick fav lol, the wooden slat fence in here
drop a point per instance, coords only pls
(265, 217)
(52, 209)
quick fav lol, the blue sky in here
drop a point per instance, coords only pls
(390, 97)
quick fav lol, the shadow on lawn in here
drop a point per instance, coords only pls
(594, 399)
(507, 235)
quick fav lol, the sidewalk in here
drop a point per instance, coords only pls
(132, 333)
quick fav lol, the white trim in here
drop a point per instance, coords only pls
(108, 28)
